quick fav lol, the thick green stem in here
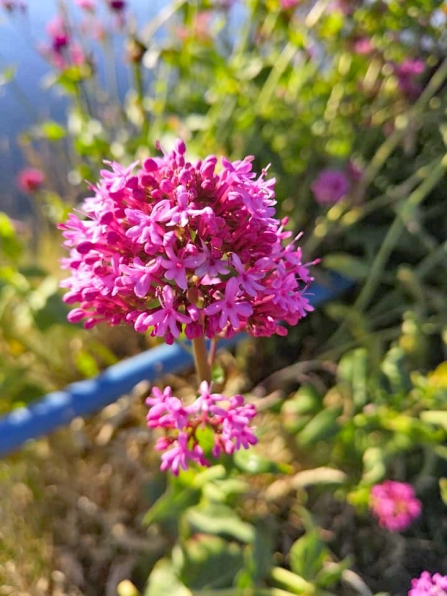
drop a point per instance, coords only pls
(201, 359)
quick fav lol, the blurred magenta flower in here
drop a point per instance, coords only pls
(407, 74)
(57, 30)
(429, 585)
(62, 51)
(89, 5)
(287, 4)
(394, 504)
(362, 46)
(228, 418)
(177, 247)
(117, 5)
(30, 179)
(330, 186)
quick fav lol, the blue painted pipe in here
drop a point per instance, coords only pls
(86, 397)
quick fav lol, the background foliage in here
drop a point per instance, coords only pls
(354, 395)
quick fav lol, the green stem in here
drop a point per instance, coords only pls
(387, 148)
(291, 581)
(335, 353)
(395, 231)
(272, 81)
(392, 237)
(201, 359)
(139, 88)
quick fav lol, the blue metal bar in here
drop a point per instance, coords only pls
(86, 397)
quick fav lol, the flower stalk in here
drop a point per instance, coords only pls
(203, 367)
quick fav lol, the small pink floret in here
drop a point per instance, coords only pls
(395, 505)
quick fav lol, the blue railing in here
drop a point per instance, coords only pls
(86, 397)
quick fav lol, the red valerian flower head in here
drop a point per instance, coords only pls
(174, 247)
(394, 504)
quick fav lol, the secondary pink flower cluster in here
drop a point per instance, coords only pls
(394, 504)
(227, 418)
(177, 247)
(429, 585)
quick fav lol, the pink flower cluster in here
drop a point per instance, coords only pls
(178, 247)
(62, 51)
(394, 504)
(429, 585)
(227, 418)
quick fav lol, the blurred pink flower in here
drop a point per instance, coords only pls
(330, 186)
(287, 4)
(362, 46)
(89, 5)
(30, 179)
(58, 32)
(200, 28)
(407, 74)
(394, 504)
(175, 246)
(429, 585)
(227, 417)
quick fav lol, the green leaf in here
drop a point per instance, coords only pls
(172, 504)
(308, 400)
(251, 462)
(436, 417)
(52, 131)
(331, 573)
(374, 465)
(207, 562)
(307, 555)
(323, 425)
(7, 75)
(262, 553)
(9, 244)
(353, 370)
(348, 265)
(443, 489)
(86, 364)
(394, 367)
(163, 580)
(219, 519)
